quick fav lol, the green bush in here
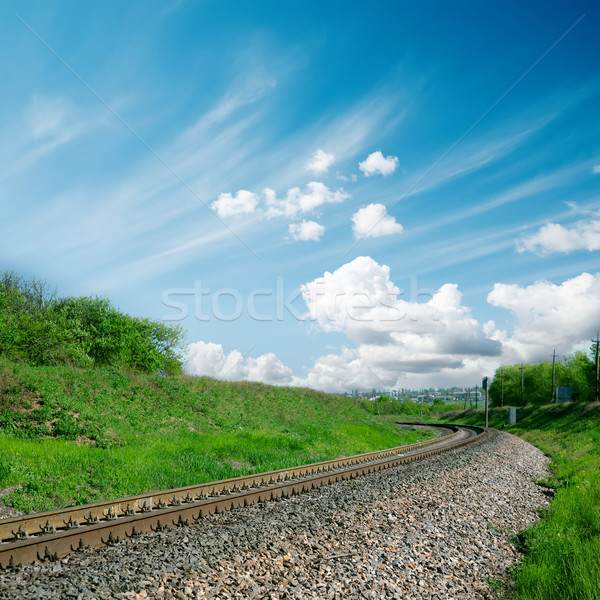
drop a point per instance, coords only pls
(67, 426)
(40, 329)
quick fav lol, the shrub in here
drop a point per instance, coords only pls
(38, 328)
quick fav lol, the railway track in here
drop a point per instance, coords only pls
(54, 534)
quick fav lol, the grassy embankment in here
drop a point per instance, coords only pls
(561, 553)
(72, 435)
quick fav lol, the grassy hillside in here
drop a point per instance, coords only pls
(562, 553)
(72, 435)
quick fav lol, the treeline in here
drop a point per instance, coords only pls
(39, 328)
(577, 370)
(384, 405)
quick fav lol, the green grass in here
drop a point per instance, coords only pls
(562, 552)
(71, 436)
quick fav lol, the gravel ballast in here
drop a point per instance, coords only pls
(438, 528)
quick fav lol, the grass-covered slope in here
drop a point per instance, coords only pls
(562, 553)
(71, 435)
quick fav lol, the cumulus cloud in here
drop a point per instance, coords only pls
(548, 315)
(377, 163)
(374, 221)
(268, 368)
(320, 162)
(297, 201)
(244, 202)
(596, 169)
(209, 359)
(362, 368)
(306, 231)
(395, 337)
(425, 336)
(552, 237)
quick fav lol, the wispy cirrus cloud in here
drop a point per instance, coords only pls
(524, 189)
(48, 123)
(146, 208)
(484, 148)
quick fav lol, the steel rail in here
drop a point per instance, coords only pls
(54, 534)
(34, 524)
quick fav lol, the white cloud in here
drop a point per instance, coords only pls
(596, 169)
(395, 337)
(209, 359)
(345, 178)
(552, 237)
(306, 231)
(244, 202)
(376, 163)
(374, 221)
(404, 342)
(548, 316)
(268, 368)
(48, 123)
(320, 163)
(296, 201)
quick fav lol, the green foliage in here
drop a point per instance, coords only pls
(39, 329)
(384, 405)
(576, 370)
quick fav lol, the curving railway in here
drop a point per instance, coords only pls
(54, 534)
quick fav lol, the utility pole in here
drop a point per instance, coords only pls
(501, 388)
(553, 372)
(476, 396)
(522, 383)
(484, 385)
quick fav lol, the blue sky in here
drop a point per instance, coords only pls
(340, 196)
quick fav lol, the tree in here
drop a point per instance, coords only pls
(512, 386)
(575, 370)
(40, 329)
